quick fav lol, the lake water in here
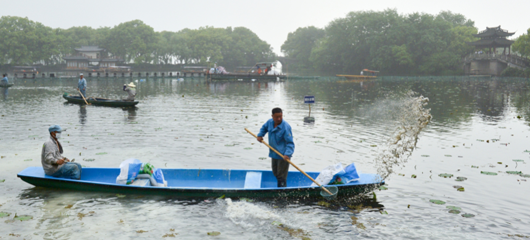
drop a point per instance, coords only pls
(477, 125)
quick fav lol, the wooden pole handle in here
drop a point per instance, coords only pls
(281, 155)
(83, 97)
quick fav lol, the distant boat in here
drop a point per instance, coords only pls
(366, 75)
(99, 101)
(201, 183)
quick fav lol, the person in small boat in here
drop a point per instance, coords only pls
(53, 162)
(281, 139)
(81, 85)
(5, 81)
(131, 90)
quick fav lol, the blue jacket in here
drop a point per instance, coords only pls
(5, 81)
(81, 84)
(280, 138)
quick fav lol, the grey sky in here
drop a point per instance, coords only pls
(272, 20)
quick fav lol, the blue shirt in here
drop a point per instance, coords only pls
(81, 84)
(5, 81)
(280, 138)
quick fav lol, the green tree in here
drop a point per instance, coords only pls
(301, 42)
(522, 44)
(132, 41)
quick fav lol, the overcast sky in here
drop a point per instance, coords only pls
(271, 20)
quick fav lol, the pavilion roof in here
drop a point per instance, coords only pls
(494, 42)
(494, 32)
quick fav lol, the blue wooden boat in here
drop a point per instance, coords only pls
(201, 183)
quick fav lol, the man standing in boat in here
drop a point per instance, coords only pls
(81, 85)
(53, 163)
(131, 90)
(281, 139)
(5, 81)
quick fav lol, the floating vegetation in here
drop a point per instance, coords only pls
(518, 160)
(445, 175)
(214, 233)
(384, 212)
(474, 166)
(480, 140)
(522, 175)
(460, 179)
(101, 153)
(324, 204)
(27, 160)
(262, 158)
(401, 174)
(499, 162)
(4, 214)
(248, 148)
(468, 215)
(447, 155)
(383, 188)
(373, 145)
(453, 208)
(318, 142)
(69, 206)
(488, 173)
(229, 145)
(439, 202)
(221, 197)
(514, 172)
(22, 218)
(454, 211)
(89, 160)
(141, 231)
(170, 235)
(413, 176)
(425, 155)
(246, 200)
(460, 189)
(2, 180)
(120, 195)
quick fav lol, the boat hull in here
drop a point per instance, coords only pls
(100, 101)
(197, 183)
(6, 85)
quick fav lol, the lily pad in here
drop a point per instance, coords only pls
(214, 233)
(445, 175)
(383, 188)
(488, 173)
(514, 172)
(4, 214)
(101, 153)
(518, 160)
(23, 217)
(468, 215)
(461, 179)
(453, 208)
(439, 202)
(453, 211)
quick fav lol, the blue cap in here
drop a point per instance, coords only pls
(55, 128)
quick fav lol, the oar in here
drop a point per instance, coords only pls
(331, 195)
(83, 97)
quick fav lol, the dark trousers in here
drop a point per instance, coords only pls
(280, 169)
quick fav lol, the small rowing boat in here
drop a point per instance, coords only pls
(201, 183)
(3, 85)
(99, 101)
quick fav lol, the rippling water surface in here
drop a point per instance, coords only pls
(476, 125)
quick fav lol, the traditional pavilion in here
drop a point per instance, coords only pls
(89, 55)
(493, 38)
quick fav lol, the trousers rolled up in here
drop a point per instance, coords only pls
(69, 170)
(280, 169)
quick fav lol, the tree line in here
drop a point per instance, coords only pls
(399, 44)
(26, 42)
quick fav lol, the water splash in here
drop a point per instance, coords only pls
(248, 214)
(411, 117)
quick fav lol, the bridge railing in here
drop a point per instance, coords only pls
(514, 59)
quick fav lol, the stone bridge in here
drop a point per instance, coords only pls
(493, 64)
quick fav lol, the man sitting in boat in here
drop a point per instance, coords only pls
(53, 163)
(281, 139)
(131, 90)
(5, 81)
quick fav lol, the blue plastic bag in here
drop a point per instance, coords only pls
(128, 171)
(134, 169)
(350, 174)
(159, 177)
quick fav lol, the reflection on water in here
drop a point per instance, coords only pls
(476, 125)
(5, 92)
